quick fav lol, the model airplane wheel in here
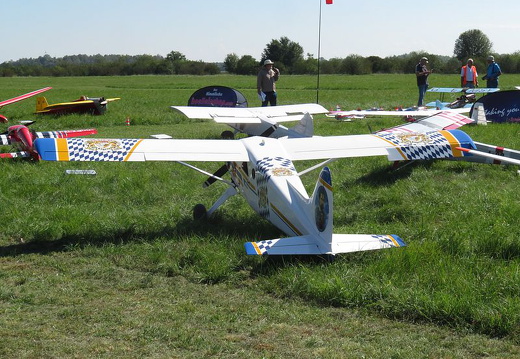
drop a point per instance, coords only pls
(199, 212)
(227, 135)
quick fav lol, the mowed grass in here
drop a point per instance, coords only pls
(113, 265)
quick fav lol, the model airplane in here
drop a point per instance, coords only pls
(20, 98)
(23, 139)
(93, 105)
(410, 114)
(262, 170)
(462, 104)
(467, 98)
(259, 121)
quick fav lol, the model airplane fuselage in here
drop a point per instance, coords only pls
(94, 106)
(22, 138)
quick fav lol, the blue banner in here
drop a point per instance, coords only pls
(217, 96)
(502, 106)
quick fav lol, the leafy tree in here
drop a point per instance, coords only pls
(472, 43)
(285, 51)
(247, 65)
(176, 60)
(230, 63)
(355, 65)
(308, 66)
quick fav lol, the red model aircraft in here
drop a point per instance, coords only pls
(23, 138)
(20, 98)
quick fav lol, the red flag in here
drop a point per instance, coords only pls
(328, 2)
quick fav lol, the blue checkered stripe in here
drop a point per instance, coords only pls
(78, 152)
(384, 239)
(437, 146)
(267, 164)
(264, 246)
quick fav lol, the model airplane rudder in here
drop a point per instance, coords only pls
(304, 128)
(41, 104)
(322, 203)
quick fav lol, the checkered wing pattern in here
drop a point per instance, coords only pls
(420, 146)
(264, 246)
(388, 240)
(268, 164)
(99, 150)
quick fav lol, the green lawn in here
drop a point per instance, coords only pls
(113, 265)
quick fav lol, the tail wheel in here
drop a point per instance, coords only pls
(199, 212)
(227, 135)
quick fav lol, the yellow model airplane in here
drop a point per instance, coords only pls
(93, 105)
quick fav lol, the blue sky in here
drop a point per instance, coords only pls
(208, 30)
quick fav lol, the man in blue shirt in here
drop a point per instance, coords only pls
(493, 71)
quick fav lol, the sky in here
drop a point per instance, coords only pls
(208, 30)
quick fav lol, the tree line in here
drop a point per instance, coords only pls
(288, 56)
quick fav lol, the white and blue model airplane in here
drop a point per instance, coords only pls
(263, 171)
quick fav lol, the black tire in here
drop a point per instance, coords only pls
(199, 212)
(227, 135)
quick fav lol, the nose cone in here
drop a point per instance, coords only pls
(23, 136)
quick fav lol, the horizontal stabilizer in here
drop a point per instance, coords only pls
(302, 245)
(308, 244)
(345, 243)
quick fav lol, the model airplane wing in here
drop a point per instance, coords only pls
(21, 154)
(443, 120)
(411, 113)
(78, 149)
(23, 97)
(461, 89)
(66, 133)
(278, 114)
(397, 146)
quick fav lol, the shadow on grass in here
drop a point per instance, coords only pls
(247, 228)
(389, 175)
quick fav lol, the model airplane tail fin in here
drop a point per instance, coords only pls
(322, 204)
(479, 114)
(304, 128)
(41, 104)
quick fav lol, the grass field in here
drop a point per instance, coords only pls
(113, 265)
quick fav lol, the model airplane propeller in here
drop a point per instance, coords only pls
(262, 170)
(21, 137)
(20, 98)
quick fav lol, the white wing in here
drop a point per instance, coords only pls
(411, 113)
(278, 114)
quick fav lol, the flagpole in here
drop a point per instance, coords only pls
(319, 55)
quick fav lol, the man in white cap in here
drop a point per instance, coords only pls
(422, 73)
(265, 83)
(493, 71)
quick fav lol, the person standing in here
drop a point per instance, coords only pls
(266, 83)
(422, 73)
(492, 73)
(468, 75)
